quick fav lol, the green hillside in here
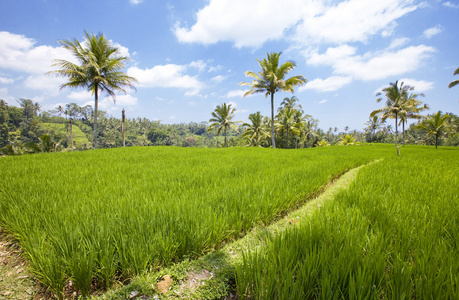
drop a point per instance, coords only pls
(62, 132)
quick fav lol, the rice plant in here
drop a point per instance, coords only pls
(86, 216)
(392, 235)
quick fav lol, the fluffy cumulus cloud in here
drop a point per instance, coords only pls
(352, 20)
(46, 83)
(430, 32)
(168, 76)
(245, 23)
(329, 84)
(19, 53)
(252, 23)
(371, 66)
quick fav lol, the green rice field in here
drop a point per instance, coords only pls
(393, 234)
(99, 216)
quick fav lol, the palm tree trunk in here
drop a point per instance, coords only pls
(71, 136)
(436, 141)
(122, 127)
(287, 139)
(272, 120)
(96, 104)
(396, 130)
(225, 139)
(403, 130)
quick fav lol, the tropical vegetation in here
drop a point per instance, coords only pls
(455, 82)
(380, 238)
(222, 119)
(272, 79)
(98, 69)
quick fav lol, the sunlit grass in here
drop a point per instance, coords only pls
(103, 214)
(394, 234)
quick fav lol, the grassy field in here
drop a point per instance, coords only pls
(96, 216)
(393, 234)
(79, 138)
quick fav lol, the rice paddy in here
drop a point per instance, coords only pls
(393, 234)
(96, 217)
(91, 217)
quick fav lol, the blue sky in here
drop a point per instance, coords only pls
(190, 56)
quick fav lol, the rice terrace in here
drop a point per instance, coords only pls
(88, 221)
(229, 150)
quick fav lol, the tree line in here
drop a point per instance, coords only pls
(99, 70)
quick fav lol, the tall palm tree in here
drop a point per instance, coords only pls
(395, 97)
(271, 79)
(98, 69)
(255, 132)
(28, 107)
(288, 123)
(436, 125)
(410, 109)
(222, 119)
(373, 124)
(455, 82)
(290, 102)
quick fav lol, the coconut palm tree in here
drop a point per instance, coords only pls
(271, 79)
(255, 132)
(222, 119)
(395, 97)
(455, 82)
(374, 123)
(288, 123)
(410, 109)
(290, 103)
(98, 69)
(436, 125)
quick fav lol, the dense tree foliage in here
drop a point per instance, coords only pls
(24, 132)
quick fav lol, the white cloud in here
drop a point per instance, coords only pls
(371, 66)
(329, 84)
(47, 83)
(4, 95)
(246, 23)
(451, 5)
(18, 53)
(6, 80)
(430, 32)
(122, 101)
(236, 93)
(199, 64)
(310, 21)
(419, 85)
(81, 96)
(123, 51)
(218, 78)
(135, 2)
(233, 104)
(323, 101)
(215, 69)
(396, 43)
(353, 21)
(167, 76)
